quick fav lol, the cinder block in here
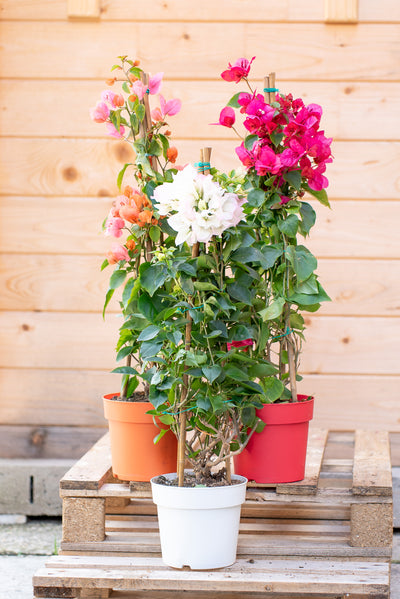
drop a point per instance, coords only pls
(31, 486)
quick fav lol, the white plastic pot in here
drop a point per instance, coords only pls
(199, 526)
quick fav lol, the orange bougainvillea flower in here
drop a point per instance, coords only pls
(129, 213)
(130, 244)
(132, 78)
(172, 154)
(111, 81)
(145, 217)
(136, 63)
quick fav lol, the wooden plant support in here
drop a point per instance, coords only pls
(270, 96)
(327, 536)
(205, 156)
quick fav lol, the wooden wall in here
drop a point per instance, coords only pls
(58, 172)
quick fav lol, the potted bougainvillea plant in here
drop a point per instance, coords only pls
(138, 231)
(215, 306)
(285, 153)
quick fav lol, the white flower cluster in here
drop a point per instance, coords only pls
(197, 207)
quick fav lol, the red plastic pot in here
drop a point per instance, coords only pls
(134, 454)
(278, 453)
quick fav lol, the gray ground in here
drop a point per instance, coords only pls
(24, 545)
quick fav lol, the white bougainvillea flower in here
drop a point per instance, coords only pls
(197, 208)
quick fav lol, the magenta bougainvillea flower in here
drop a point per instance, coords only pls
(226, 117)
(237, 71)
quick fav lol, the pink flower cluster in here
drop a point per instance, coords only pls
(303, 146)
(288, 138)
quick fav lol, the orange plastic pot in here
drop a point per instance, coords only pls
(278, 453)
(134, 454)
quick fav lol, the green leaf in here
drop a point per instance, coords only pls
(149, 333)
(149, 349)
(147, 307)
(289, 225)
(153, 276)
(109, 295)
(211, 372)
(304, 263)
(155, 147)
(155, 233)
(274, 310)
(124, 370)
(308, 217)
(117, 278)
(203, 403)
(321, 195)
(248, 415)
(293, 178)
(240, 293)
(124, 352)
(104, 265)
(234, 101)
(256, 197)
(247, 254)
(270, 255)
(165, 144)
(235, 373)
(140, 112)
(249, 141)
(273, 388)
(204, 286)
(262, 370)
(156, 397)
(276, 138)
(187, 284)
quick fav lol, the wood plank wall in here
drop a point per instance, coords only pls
(57, 178)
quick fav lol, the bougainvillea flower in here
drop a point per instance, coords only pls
(129, 212)
(267, 161)
(245, 156)
(114, 226)
(245, 343)
(170, 108)
(100, 113)
(238, 71)
(172, 154)
(226, 117)
(117, 253)
(284, 200)
(197, 207)
(116, 100)
(155, 83)
(113, 132)
(145, 217)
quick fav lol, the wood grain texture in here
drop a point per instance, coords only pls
(88, 167)
(341, 11)
(55, 442)
(372, 474)
(346, 108)
(59, 283)
(334, 344)
(92, 470)
(367, 52)
(72, 225)
(190, 10)
(46, 398)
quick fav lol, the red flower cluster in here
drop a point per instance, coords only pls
(288, 139)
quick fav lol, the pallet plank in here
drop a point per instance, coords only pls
(372, 473)
(92, 470)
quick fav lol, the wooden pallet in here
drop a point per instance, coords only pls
(327, 536)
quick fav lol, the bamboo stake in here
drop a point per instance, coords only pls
(205, 156)
(269, 83)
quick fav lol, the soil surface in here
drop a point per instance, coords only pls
(139, 397)
(189, 480)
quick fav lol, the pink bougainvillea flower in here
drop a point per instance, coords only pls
(116, 100)
(113, 132)
(267, 162)
(226, 117)
(117, 253)
(246, 343)
(245, 156)
(114, 225)
(238, 71)
(155, 83)
(138, 89)
(284, 200)
(100, 113)
(170, 108)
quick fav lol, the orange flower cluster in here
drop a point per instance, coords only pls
(135, 207)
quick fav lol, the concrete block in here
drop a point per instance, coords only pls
(396, 497)
(31, 486)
